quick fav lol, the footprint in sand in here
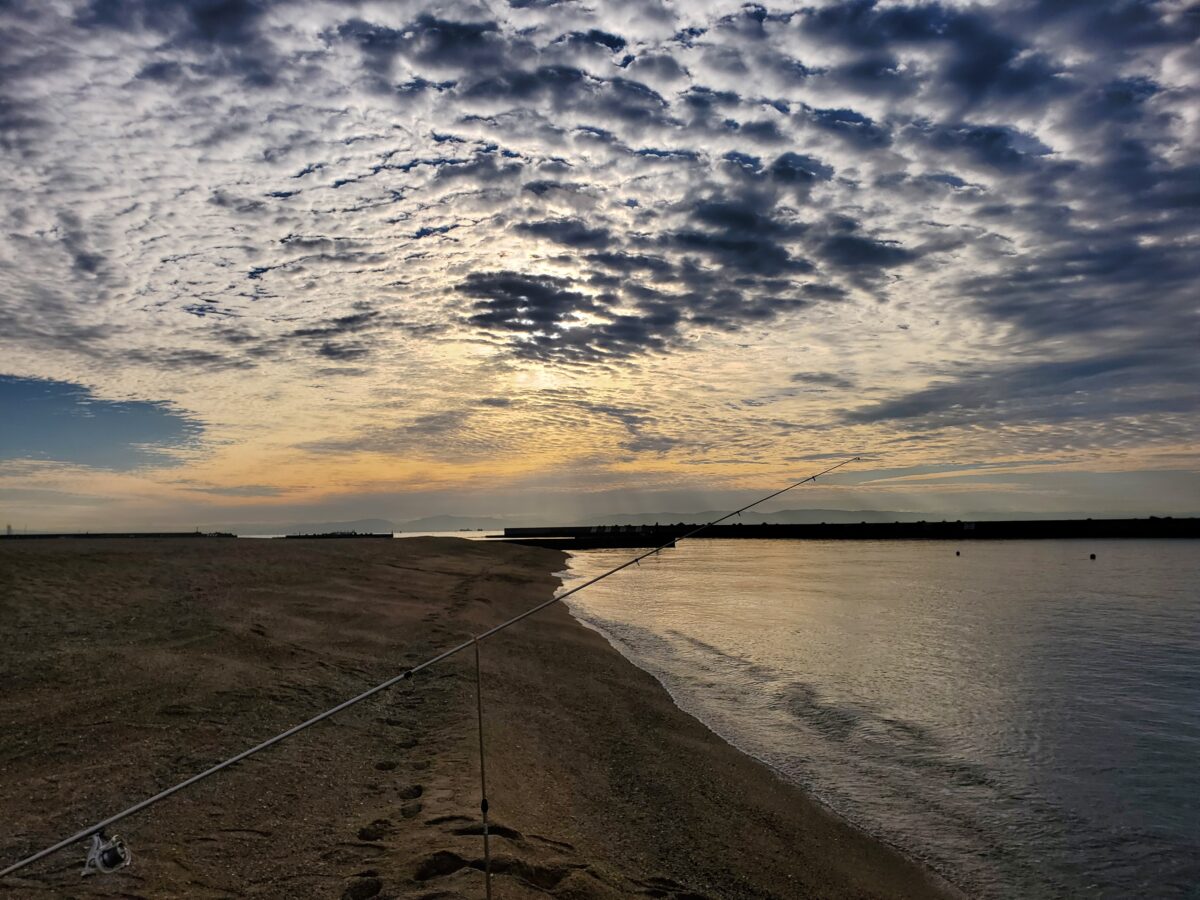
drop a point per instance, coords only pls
(660, 886)
(557, 845)
(376, 831)
(363, 889)
(494, 830)
(544, 877)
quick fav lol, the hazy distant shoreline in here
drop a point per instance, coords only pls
(843, 525)
(456, 523)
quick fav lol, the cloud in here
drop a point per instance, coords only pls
(1099, 388)
(822, 379)
(568, 232)
(948, 194)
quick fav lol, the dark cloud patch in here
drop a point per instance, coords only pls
(632, 262)
(743, 163)
(427, 435)
(1078, 286)
(20, 121)
(1120, 25)
(997, 146)
(531, 305)
(595, 37)
(166, 71)
(226, 34)
(549, 319)
(853, 251)
(855, 128)
(432, 230)
(231, 22)
(428, 41)
(348, 324)
(484, 166)
(706, 99)
(421, 85)
(76, 244)
(633, 102)
(348, 338)
(742, 235)
(240, 490)
(568, 88)
(823, 380)
(542, 187)
(879, 74)
(1104, 387)
(978, 58)
(798, 170)
(562, 85)
(343, 352)
(189, 359)
(640, 423)
(568, 232)
(823, 291)
(762, 132)
(674, 154)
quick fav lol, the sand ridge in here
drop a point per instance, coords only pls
(129, 665)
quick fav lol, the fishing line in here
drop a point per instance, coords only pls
(483, 802)
(99, 827)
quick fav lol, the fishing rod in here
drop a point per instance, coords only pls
(109, 855)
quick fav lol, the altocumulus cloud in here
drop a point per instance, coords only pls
(325, 188)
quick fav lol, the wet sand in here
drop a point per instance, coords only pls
(129, 665)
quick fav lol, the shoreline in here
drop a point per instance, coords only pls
(600, 785)
(629, 655)
(810, 794)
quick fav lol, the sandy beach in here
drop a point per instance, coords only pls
(129, 665)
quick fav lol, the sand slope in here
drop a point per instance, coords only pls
(128, 665)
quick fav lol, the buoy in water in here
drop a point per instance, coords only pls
(1093, 556)
(956, 553)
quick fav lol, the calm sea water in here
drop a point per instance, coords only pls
(1022, 718)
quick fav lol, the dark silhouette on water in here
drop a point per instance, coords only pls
(120, 534)
(599, 536)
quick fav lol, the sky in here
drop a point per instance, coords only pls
(263, 261)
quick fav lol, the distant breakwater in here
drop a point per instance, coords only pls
(117, 534)
(590, 537)
(157, 535)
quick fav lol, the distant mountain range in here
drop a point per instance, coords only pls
(375, 526)
(839, 517)
(455, 523)
(753, 517)
(779, 517)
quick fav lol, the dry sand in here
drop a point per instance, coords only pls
(128, 665)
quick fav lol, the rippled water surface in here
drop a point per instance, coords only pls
(1023, 718)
